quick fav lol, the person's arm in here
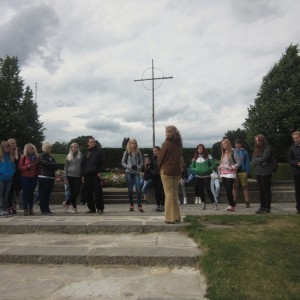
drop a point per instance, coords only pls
(264, 158)
(125, 160)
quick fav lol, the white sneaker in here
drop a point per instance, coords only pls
(65, 206)
(196, 200)
(184, 200)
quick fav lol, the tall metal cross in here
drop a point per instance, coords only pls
(153, 113)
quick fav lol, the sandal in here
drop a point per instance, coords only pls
(131, 208)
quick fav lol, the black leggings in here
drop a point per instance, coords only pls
(228, 185)
(200, 184)
(74, 186)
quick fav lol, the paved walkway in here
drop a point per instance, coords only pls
(117, 255)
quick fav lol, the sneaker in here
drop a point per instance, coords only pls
(267, 210)
(131, 208)
(247, 204)
(158, 208)
(215, 206)
(203, 206)
(230, 208)
(99, 211)
(65, 206)
(260, 211)
(141, 209)
(73, 211)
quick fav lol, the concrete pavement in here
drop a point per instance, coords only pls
(117, 255)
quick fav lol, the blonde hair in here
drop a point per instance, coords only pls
(295, 133)
(26, 152)
(15, 152)
(70, 155)
(2, 152)
(129, 147)
(46, 146)
(228, 150)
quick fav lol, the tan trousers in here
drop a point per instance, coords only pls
(170, 184)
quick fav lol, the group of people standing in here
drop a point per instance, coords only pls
(165, 171)
(31, 169)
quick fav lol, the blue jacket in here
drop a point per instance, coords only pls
(245, 161)
(7, 168)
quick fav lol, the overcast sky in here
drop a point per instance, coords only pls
(85, 55)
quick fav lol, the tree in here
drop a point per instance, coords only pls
(60, 148)
(276, 109)
(82, 142)
(125, 142)
(239, 134)
(19, 118)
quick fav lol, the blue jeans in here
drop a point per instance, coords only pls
(28, 185)
(144, 185)
(133, 179)
(5, 186)
(215, 188)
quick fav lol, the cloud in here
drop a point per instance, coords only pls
(85, 57)
(28, 34)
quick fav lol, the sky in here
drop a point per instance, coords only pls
(81, 58)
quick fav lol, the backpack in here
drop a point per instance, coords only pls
(274, 161)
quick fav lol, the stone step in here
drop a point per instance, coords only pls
(130, 249)
(82, 224)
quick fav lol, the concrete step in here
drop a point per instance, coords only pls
(282, 192)
(83, 224)
(152, 249)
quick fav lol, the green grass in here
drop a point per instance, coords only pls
(249, 257)
(60, 158)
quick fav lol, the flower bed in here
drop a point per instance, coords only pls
(109, 179)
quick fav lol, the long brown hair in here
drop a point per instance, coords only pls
(258, 149)
(204, 152)
(175, 135)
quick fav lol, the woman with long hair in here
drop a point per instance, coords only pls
(170, 164)
(262, 159)
(202, 165)
(72, 176)
(28, 167)
(14, 193)
(229, 163)
(132, 161)
(7, 170)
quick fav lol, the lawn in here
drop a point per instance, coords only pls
(249, 257)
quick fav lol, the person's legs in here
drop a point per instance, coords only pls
(74, 187)
(170, 184)
(206, 182)
(297, 191)
(130, 182)
(228, 184)
(32, 182)
(136, 179)
(97, 187)
(262, 199)
(25, 184)
(88, 186)
(266, 182)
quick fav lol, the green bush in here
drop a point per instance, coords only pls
(283, 172)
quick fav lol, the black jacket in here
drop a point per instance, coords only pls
(294, 158)
(92, 162)
(47, 165)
